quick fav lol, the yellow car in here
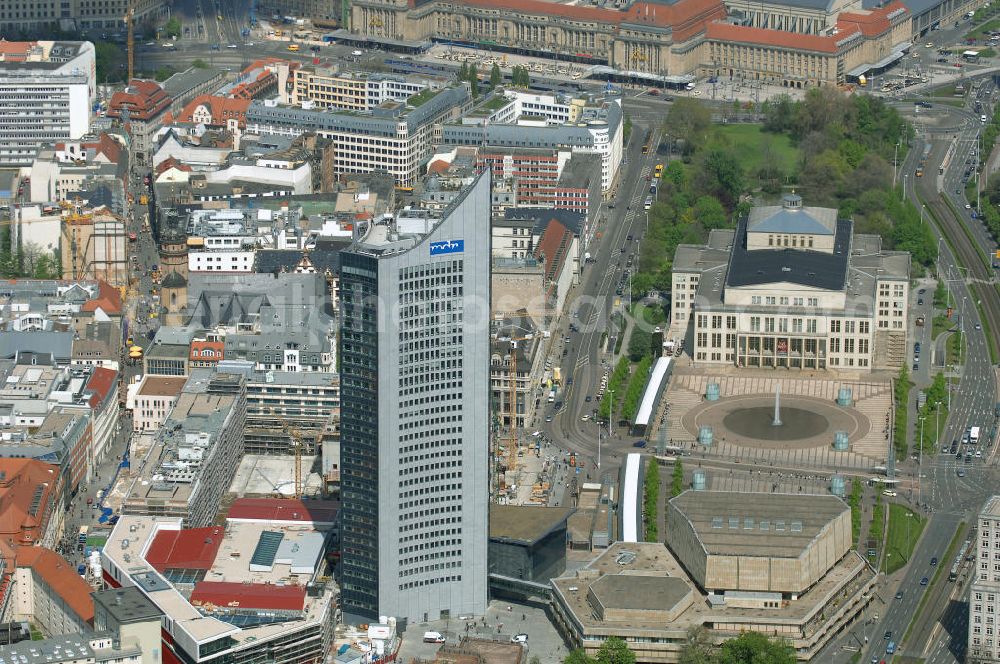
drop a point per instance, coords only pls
(293, 47)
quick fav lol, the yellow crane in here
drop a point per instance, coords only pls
(512, 442)
(130, 44)
(297, 436)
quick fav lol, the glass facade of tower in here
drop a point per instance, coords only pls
(414, 416)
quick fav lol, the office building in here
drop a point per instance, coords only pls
(793, 287)
(250, 590)
(48, 88)
(195, 454)
(72, 15)
(328, 87)
(395, 136)
(534, 121)
(984, 595)
(129, 615)
(415, 361)
(140, 108)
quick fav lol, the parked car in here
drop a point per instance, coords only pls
(639, 443)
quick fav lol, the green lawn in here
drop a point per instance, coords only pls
(982, 32)
(750, 140)
(930, 436)
(905, 527)
(955, 349)
(946, 90)
(939, 325)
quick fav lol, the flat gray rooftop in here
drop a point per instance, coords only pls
(778, 525)
(526, 525)
(639, 592)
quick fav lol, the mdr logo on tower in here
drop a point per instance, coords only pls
(447, 247)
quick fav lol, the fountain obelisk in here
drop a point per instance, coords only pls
(776, 422)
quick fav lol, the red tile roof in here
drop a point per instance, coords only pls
(220, 108)
(283, 509)
(871, 23)
(61, 577)
(107, 146)
(686, 17)
(14, 51)
(197, 346)
(19, 524)
(779, 38)
(555, 236)
(101, 383)
(248, 596)
(145, 100)
(194, 548)
(109, 299)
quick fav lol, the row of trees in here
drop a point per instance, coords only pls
(615, 385)
(519, 76)
(636, 387)
(747, 648)
(468, 72)
(651, 498)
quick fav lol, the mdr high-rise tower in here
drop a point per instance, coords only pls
(414, 342)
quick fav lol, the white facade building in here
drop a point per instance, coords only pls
(792, 287)
(48, 90)
(984, 595)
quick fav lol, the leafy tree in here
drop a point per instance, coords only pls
(107, 58)
(651, 498)
(721, 175)
(615, 651)
(755, 648)
(199, 64)
(697, 648)
(690, 120)
(708, 211)
(677, 481)
(163, 73)
(474, 80)
(463, 72)
(779, 112)
(578, 656)
(495, 75)
(173, 27)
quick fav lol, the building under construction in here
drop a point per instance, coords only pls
(94, 245)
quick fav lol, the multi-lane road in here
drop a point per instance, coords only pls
(595, 299)
(952, 499)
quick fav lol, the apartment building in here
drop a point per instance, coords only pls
(534, 122)
(48, 89)
(154, 400)
(792, 287)
(414, 467)
(984, 595)
(395, 137)
(140, 108)
(329, 87)
(196, 452)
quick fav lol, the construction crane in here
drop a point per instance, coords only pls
(512, 443)
(130, 44)
(297, 437)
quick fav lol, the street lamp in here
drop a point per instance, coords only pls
(903, 198)
(923, 207)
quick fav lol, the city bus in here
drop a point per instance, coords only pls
(646, 141)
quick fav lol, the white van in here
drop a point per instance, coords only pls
(649, 203)
(982, 118)
(433, 637)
